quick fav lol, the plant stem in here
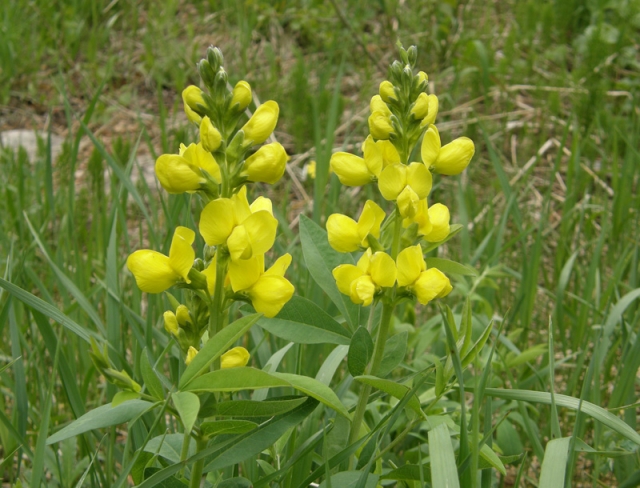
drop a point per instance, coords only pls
(196, 471)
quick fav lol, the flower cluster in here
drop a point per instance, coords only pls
(237, 233)
(402, 114)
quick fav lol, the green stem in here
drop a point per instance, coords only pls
(184, 453)
(198, 466)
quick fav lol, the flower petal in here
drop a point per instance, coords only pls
(390, 154)
(362, 290)
(178, 175)
(210, 274)
(261, 228)
(244, 273)
(217, 221)
(372, 156)
(234, 358)
(280, 266)
(430, 148)
(350, 169)
(342, 232)
(410, 264)
(392, 181)
(455, 157)
(420, 179)
(344, 275)
(261, 203)
(431, 284)
(369, 222)
(408, 202)
(181, 254)
(269, 294)
(383, 269)
(439, 218)
(152, 271)
(261, 124)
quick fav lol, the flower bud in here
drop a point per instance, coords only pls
(191, 353)
(454, 157)
(439, 218)
(378, 105)
(234, 358)
(421, 106)
(177, 175)
(387, 91)
(261, 124)
(182, 316)
(412, 55)
(422, 77)
(192, 97)
(241, 96)
(206, 73)
(209, 136)
(171, 323)
(380, 125)
(267, 165)
(430, 118)
(215, 58)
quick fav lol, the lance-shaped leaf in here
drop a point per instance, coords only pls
(394, 389)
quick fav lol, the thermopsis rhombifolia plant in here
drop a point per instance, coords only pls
(226, 432)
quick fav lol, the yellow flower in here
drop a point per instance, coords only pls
(380, 125)
(210, 137)
(247, 230)
(373, 272)
(234, 358)
(439, 218)
(421, 106)
(451, 159)
(260, 126)
(405, 184)
(377, 105)
(355, 171)
(241, 96)
(267, 164)
(183, 172)
(183, 316)
(192, 97)
(389, 152)
(210, 273)
(191, 353)
(197, 155)
(347, 235)
(422, 77)
(387, 92)
(426, 284)
(154, 272)
(171, 323)
(432, 111)
(268, 290)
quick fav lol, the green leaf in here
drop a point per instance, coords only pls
(444, 473)
(349, 479)
(169, 446)
(166, 483)
(315, 389)
(239, 482)
(321, 259)
(331, 364)
(216, 346)
(259, 439)
(409, 472)
(394, 352)
(554, 464)
(360, 351)
(249, 408)
(598, 413)
(303, 322)
(526, 356)
(188, 405)
(492, 459)
(392, 388)
(104, 416)
(451, 267)
(235, 379)
(151, 380)
(124, 396)
(220, 427)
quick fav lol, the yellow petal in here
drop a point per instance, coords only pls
(431, 284)
(382, 269)
(422, 77)
(183, 316)
(362, 290)
(181, 254)
(244, 273)
(343, 233)
(267, 165)
(152, 271)
(260, 126)
(177, 175)
(234, 358)
(380, 125)
(241, 208)
(430, 148)
(239, 244)
(191, 115)
(261, 228)
(372, 156)
(420, 179)
(387, 92)
(392, 181)
(389, 152)
(280, 266)
(344, 275)
(270, 293)
(422, 218)
(192, 97)
(369, 222)
(210, 137)
(455, 156)
(200, 157)
(217, 221)
(365, 261)
(261, 203)
(210, 274)
(171, 322)
(241, 95)
(191, 353)
(432, 113)
(408, 202)
(420, 107)
(410, 264)
(350, 169)
(377, 104)
(439, 218)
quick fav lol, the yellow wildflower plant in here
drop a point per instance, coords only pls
(347, 235)
(191, 354)
(357, 171)
(373, 272)
(154, 272)
(210, 137)
(267, 164)
(405, 184)
(413, 274)
(451, 159)
(260, 126)
(193, 103)
(241, 96)
(235, 358)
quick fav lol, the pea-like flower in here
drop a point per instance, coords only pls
(268, 290)
(234, 358)
(192, 352)
(247, 230)
(210, 137)
(387, 92)
(432, 111)
(267, 164)
(154, 272)
(373, 272)
(425, 107)
(347, 235)
(433, 222)
(260, 126)
(241, 96)
(451, 159)
(405, 184)
(185, 171)
(356, 171)
(380, 119)
(413, 274)
(192, 97)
